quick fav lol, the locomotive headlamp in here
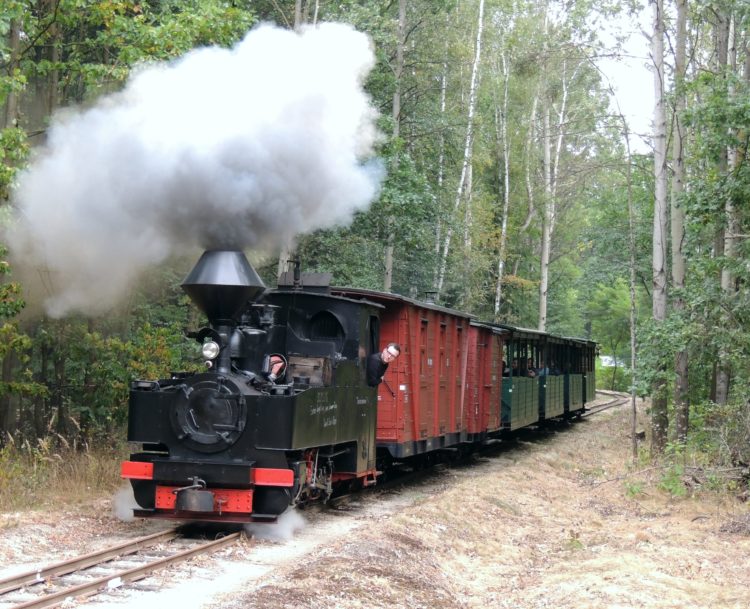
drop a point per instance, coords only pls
(210, 350)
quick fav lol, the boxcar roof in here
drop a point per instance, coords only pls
(390, 297)
(326, 294)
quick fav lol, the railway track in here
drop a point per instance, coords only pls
(107, 569)
(616, 399)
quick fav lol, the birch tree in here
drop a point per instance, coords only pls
(396, 118)
(501, 127)
(659, 420)
(551, 172)
(677, 216)
(468, 150)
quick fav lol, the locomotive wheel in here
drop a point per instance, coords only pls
(270, 500)
(144, 492)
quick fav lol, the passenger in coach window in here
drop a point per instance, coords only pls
(530, 367)
(542, 370)
(377, 363)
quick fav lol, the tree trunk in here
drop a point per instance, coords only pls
(396, 117)
(287, 249)
(298, 14)
(528, 165)
(8, 406)
(441, 162)
(549, 210)
(633, 324)
(468, 221)
(551, 170)
(722, 53)
(659, 418)
(59, 404)
(11, 103)
(501, 129)
(681, 404)
(468, 149)
(41, 405)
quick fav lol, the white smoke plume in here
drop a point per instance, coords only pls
(123, 504)
(224, 148)
(289, 523)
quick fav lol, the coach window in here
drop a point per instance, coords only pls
(458, 360)
(423, 328)
(442, 349)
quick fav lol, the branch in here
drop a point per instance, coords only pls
(34, 40)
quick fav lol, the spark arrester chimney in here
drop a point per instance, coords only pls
(221, 284)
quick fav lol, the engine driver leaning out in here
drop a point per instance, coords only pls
(377, 363)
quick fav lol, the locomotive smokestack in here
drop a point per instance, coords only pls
(221, 284)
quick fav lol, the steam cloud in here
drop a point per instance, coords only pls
(289, 523)
(222, 149)
(123, 504)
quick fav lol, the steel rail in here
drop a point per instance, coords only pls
(74, 564)
(129, 575)
(618, 399)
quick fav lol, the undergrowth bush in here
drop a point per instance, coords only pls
(722, 432)
(613, 378)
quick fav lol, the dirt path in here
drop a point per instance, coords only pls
(549, 522)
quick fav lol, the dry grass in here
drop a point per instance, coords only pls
(552, 522)
(46, 474)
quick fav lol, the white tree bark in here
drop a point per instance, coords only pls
(396, 116)
(677, 216)
(528, 166)
(548, 218)
(468, 147)
(11, 103)
(659, 420)
(732, 228)
(501, 127)
(551, 170)
(441, 162)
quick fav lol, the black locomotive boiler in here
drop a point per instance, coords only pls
(281, 415)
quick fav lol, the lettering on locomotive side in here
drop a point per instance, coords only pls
(323, 408)
(329, 421)
(361, 401)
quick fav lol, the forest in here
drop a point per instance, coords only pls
(510, 186)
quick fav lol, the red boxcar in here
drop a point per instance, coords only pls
(445, 387)
(484, 380)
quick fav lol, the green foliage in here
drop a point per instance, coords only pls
(721, 433)
(355, 254)
(634, 488)
(14, 150)
(12, 341)
(613, 378)
(671, 480)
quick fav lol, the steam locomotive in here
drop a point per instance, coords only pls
(283, 414)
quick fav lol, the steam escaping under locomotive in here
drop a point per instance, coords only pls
(283, 415)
